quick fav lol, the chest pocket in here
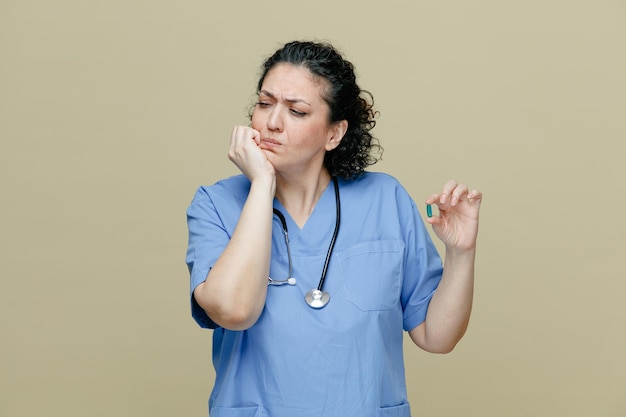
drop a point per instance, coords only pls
(372, 274)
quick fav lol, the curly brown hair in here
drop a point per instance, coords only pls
(358, 149)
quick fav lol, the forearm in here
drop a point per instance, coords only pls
(233, 294)
(450, 308)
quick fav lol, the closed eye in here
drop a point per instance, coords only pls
(298, 113)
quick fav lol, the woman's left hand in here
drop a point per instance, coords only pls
(457, 222)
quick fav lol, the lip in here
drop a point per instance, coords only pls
(270, 142)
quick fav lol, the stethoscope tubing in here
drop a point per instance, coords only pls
(286, 234)
(320, 293)
(334, 238)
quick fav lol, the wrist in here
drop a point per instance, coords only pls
(265, 182)
(460, 254)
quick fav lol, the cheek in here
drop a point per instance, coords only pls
(255, 121)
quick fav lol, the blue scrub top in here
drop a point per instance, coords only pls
(345, 359)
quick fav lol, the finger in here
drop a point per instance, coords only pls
(242, 136)
(236, 138)
(233, 134)
(239, 141)
(434, 220)
(475, 197)
(435, 200)
(245, 132)
(256, 136)
(458, 193)
(447, 190)
(233, 140)
(432, 199)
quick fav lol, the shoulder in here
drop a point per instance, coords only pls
(377, 192)
(372, 179)
(224, 199)
(232, 188)
(376, 183)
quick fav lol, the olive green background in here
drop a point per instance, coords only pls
(112, 113)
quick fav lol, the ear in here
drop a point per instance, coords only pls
(336, 132)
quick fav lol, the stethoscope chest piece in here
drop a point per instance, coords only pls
(316, 298)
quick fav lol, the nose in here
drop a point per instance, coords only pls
(274, 119)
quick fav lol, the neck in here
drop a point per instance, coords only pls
(300, 196)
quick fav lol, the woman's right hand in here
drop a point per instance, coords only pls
(247, 155)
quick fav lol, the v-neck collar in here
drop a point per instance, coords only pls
(327, 199)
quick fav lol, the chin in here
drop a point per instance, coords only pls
(268, 152)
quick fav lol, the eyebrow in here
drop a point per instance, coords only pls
(289, 100)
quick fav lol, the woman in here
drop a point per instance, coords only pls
(350, 246)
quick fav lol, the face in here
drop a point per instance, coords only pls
(293, 120)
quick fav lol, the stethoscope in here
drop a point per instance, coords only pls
(317, 297)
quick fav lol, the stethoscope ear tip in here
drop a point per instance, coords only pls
(291, 281)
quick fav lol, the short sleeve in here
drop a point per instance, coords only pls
(207, 240)
(423, 269)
